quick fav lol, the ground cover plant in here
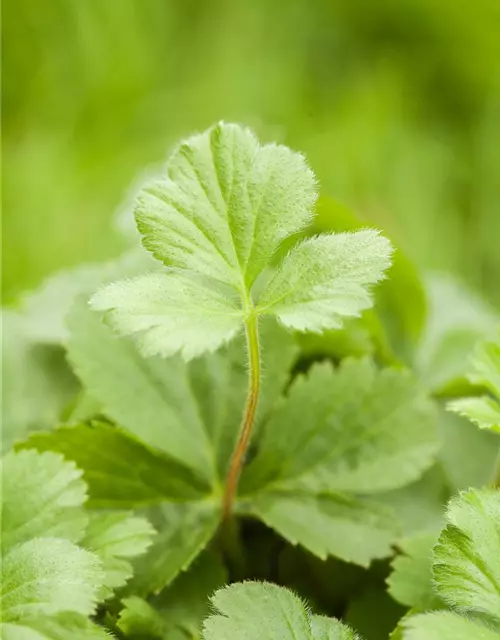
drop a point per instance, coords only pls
(261, 423)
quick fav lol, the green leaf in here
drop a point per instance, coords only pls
(44, 310)
(215, 220)
(44, 576)
(180, 608)
(37, 383)
(462, 469)
(353, 529)
(467, 557)
(324, 279)
(59, 627)
(42, 495)
(190, 411)
(219, 213)
(115, 537)
(372, 612)
(484, 410)
(263, 611)
(444, 625)
(410, 582)
(457, 319)
(120, 471)
(351, 429)
(169, 313)
(183, 532)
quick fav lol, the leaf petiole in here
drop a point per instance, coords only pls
(238, 457)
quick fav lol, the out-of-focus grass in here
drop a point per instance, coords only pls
(396, 104)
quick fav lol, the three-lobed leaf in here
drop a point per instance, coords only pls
(215, 220)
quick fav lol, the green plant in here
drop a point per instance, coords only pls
(239, 392)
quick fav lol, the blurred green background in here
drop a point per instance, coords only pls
(396, 104)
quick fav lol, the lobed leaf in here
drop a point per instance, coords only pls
(264, 611)
(352, 429)
(467, 557)
(42, 495)
(444, 625)
(353, 529)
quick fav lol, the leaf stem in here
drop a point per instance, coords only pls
(238, 458)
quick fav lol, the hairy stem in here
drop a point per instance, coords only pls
(238, 458)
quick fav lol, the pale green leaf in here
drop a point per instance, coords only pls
(115, 537)
(225, 204)
(60, 627)
(457, 319)
(410, 582)
(42, 495)
(44, 576)
(119, 470)
(353, 529)
(462, 469)
(467, 557)
(263, 611)
(179, 609)
(169, 313)
(326, 278)
(215, 219)
(44, 310)
(444, 625)
(183, 532)
(350, 429)
(484, 410)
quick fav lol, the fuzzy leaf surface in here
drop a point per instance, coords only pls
(42, 495)
(467, 558)
(45, 576)
(264, 611)
(444, 625)
(326, 278)
(116, 537)
(215, 219)
(58, 627)
(351, 429)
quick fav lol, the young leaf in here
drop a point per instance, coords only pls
(353, 529)
(44, 576)
(119, 470)
(444, 625)
(215, 220)
(42, 495)
(263, 611)
(325, 278)
(410, 582)
(467, 558)
(484, 410)
(352, 429)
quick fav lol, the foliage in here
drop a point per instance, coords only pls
(134, 503)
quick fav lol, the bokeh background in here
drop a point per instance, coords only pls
(396, 104)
